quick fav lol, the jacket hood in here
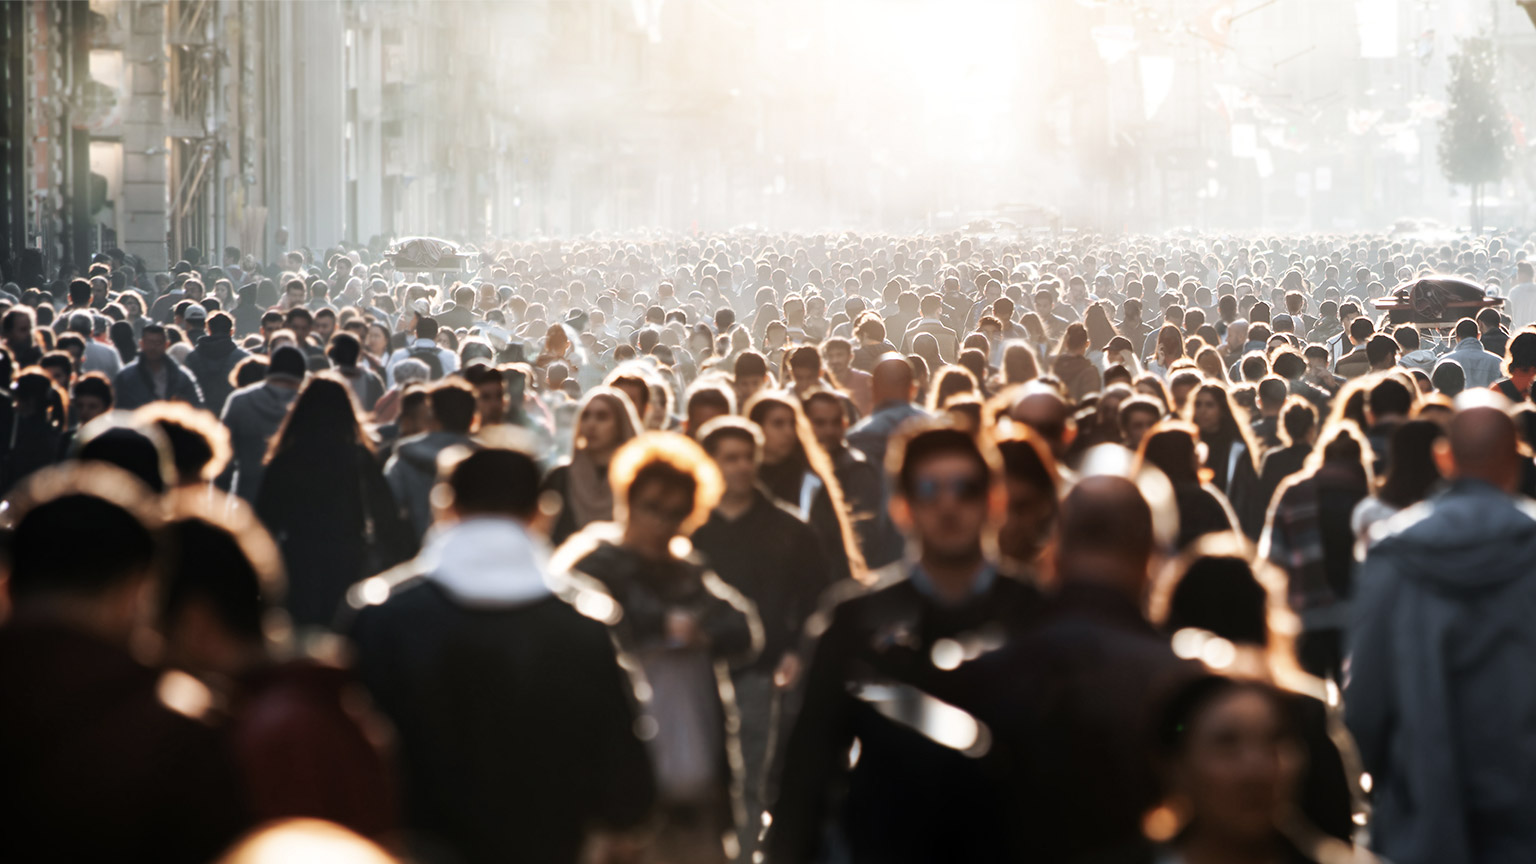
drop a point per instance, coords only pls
(487, 561)
(1470, 538)
(269, 401)
(422, 450)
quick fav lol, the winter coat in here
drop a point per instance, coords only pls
(253, 414)
(1440, 696)
(210, 363)
(412, 472)
(316, 502)
(133, 389)
(466, 637)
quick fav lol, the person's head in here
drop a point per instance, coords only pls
(828, 417)
(1449, 378)
(294, 293)
(1466, 328)
(221, 586)
(736, 445)
(664, 486)
(1019, 364)
(839, 356)
(103, 586)
(1137, 415)
(152, 344)
(92, 397)
(344, 350)
(1488, 319)
(1391, 398)
(495, 482)
(490, 392)
(1520, 355)
(1227, 750)
(633, 384)
(199, 442)
(1105, 535)
(1381, 351)
(1211, 410)
(605, 420)
(892, 380)
(1411, 466)
(805, 367)
(948, 382)
(946, 491)
(1215, 588)
(705, 402)
(1043, 409)
(1482, 442)
(749, 374)
(324, 415)
(786, 433)
(453, 406)
(16, 326)
(1030, 481)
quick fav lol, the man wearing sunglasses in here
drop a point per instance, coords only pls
(905, 766)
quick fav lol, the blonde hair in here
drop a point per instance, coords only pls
(666, 453)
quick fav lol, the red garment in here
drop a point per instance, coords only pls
(306, 742)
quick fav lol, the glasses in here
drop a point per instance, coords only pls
(929, 489)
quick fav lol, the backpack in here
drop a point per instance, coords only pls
(430, 357)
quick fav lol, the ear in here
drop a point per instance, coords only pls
(1443, 458)
(901, 513)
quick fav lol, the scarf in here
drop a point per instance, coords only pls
(588, 491)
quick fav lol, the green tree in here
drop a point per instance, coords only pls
(1475, 138)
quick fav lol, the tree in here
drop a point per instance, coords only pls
(1475, 132)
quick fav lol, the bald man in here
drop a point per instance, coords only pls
(893, 387)
(1441, 695)
(1072, 697)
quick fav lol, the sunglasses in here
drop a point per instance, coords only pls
(929, 489)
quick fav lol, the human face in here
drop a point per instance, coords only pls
(1207, 414)
(1029, 511)
(21, 333)
(746, 385)
(779, 437)
(89, 408)
(490, 402)
(324, 327)
(656, 515)
(805, 378)
(828, 422)
(152, 346)
(378, 341)
(1135, 427)
(737, 461)
(948, 506)
(839, 359)
(294, 298)
(698, 415)
(598, 427)
(1238, 766)
(301, 327)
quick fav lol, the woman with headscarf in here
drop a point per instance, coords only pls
(604, 422)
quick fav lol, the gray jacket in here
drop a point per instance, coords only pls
(1441, 697)
(412, 471)
(1481, 365)
(253, 415)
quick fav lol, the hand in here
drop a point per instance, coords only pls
(788, 671)
(682, 628)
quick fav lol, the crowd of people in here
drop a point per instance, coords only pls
(767, 547)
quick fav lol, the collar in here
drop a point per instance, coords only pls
(981, 583)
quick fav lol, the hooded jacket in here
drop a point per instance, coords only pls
(253, 415)
(1441, 700)
(412, 471)
(455, 648)
(210, 363)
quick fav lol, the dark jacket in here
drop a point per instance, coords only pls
(412, 472)
(516, 724)
(794, 484)
(863, 485)
(299, 738)
(247, 315)
(316, 502)
(133, 388)
(648, 593)
(1079, 375)
(97, 768)
(908, 798)
(253, 415)
(210, 363)
(1440, 696)
(773, 557)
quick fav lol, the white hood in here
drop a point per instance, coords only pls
(487, 561)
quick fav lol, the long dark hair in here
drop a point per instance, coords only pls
(122, 339)
(1234, 425)
(1100, 328)
(1170, 446)
(324, 416)
(1411, 469)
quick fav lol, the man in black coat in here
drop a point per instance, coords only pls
(105, 759)
(516, 722)
(917, 790)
